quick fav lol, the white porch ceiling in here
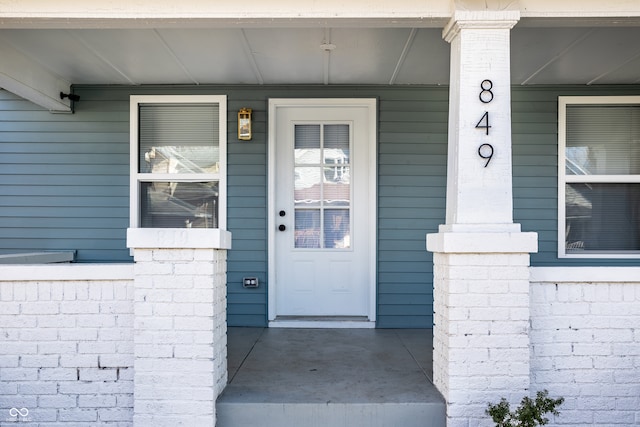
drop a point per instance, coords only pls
(401, 56)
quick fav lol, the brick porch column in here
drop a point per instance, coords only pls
(180, 346)
(481, 258)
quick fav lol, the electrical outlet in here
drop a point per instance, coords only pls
(250, 282)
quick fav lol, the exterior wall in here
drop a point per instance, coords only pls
(64, 181)
(79, 349)
(535, 166)
(67, 345)
(74, 170)
(585, 344)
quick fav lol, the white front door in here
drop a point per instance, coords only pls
(322, 219)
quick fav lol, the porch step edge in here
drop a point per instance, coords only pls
(412, 414)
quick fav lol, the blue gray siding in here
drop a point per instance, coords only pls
(64, 183)
(535, 166)
(64, 179)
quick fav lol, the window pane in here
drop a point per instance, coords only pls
(602, 217)
(337, 188)
(307, 144)
(603, 140)
(179, 204)
(307, 228)
(307, 186)
(337, 229)
(179, 138)
(336, 144)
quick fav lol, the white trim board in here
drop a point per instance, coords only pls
(585, 274)
(321, 323)
(65, 272)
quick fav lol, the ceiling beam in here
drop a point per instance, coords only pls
(207, 13)
(248, 51)
(557, 56)
(403, 55)
(301, 13)
(28, 79)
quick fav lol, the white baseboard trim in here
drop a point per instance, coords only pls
(322, 322)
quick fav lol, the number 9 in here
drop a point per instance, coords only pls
(483, 149)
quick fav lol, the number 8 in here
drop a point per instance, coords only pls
(486, 90)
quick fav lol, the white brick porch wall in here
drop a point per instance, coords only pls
(481, 344)
(180, 336)
(66, 351)
(67, 338)
(585, 343)
(180, 329)
(116, 345)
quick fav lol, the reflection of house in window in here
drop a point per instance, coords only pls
(578, 213)
(336, 157)
(173, 204)
(179, 204)
(181, 159)
(322, 195)
(578, 161)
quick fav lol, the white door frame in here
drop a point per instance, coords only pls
(274, 105)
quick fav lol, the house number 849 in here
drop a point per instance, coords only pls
(485, 151)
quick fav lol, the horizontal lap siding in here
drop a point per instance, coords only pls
(64, 185)
(64, 179)
(247, 211)
(535, 165)
(412, 153)
(412, 138)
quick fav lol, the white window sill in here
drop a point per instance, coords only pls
(178, 238)
(585, 274)
(65, 272)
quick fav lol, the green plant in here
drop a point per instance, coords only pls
(530, 413)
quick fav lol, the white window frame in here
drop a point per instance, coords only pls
(136, 178)
(563, 178)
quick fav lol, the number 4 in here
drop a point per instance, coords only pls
(485, 119)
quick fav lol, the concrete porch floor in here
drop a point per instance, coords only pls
(330, 378)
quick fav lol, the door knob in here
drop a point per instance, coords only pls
(282, 213)
(282, 227)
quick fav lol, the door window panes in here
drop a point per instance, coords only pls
(307, 228)
(322, 183)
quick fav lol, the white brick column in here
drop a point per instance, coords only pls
(481, 320)
(180, 364)
(481, 259)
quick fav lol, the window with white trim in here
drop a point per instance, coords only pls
(178, 161)
(599, 177)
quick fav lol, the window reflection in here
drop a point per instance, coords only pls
(307, 228)
(322, 178)
(179, 159)
(602, 217)
(337, 229)
(307, 186)
(179, 204)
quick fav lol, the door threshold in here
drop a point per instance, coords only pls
(322, 322)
